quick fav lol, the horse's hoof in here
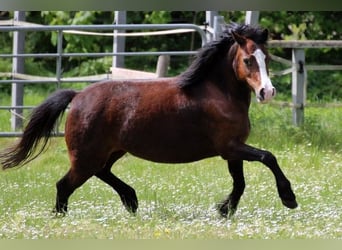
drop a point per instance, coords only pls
(290, 203)
(131, 209)
(289, 199)
(60, 211)
(225, 209)
(222, 209)
(58, 214)
(131, 205)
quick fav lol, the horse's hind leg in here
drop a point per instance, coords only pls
(126, 192)
(229, 205)
(66, 186)
(82, 168)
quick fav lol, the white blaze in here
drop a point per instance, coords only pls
(266, 83)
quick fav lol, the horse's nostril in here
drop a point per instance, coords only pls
(273, 91)
(262, 94)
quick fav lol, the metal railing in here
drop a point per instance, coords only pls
(297, 68)
(60, 54)
(61, 30)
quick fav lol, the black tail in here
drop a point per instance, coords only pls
(40, 126)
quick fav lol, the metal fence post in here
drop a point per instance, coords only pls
(162, 65)
(298, 86)
(252, 17)
(118, 41)
(18, 67)
(218, 23)
(209, 19)
(59, 58)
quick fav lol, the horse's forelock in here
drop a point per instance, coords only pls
(252, 32)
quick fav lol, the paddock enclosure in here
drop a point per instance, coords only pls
(180, 206)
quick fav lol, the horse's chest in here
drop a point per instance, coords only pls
(228, 121)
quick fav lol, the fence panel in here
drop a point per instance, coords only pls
(18, 78)
(297, 66)
(299, 70)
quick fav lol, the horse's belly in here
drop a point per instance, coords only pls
(171, 150)
(171, 156)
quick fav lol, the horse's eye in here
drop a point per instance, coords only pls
(247, 61)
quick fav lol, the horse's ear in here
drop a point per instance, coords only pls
(264, 35)
(239, 39)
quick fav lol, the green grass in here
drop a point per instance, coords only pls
(178, 201)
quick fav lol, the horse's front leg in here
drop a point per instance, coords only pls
(241, 151)
(228, 206)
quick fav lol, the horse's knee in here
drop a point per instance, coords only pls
(269, 159)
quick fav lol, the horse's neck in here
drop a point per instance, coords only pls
(234, 88)
(239, 91)
(244, 93)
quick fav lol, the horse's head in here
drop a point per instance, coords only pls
(251, 65)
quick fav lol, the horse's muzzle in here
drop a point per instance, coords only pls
(265, 95)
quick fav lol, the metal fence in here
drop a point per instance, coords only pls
(18, 79)
(298, 69)
(297, 66)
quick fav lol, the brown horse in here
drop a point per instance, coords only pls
(198, 114)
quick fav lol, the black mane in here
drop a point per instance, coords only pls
(212, 53)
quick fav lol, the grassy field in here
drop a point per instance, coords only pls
(178, 201)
